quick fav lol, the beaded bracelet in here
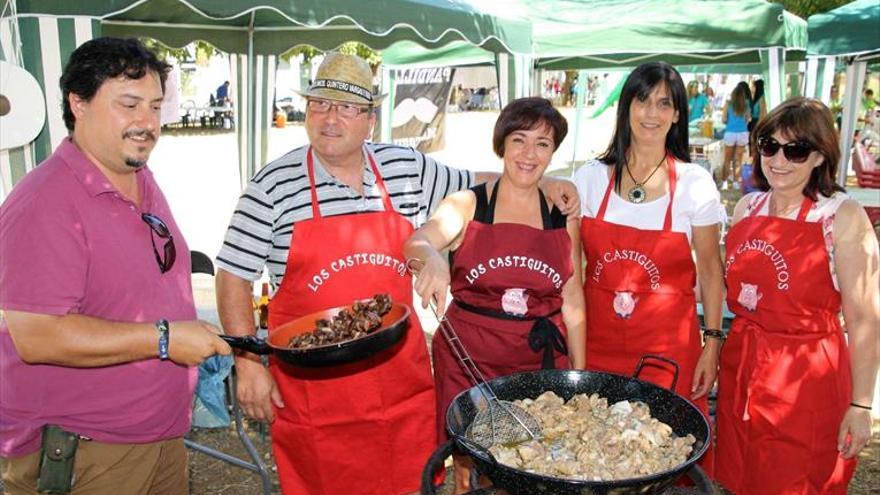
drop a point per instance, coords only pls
(162, 327)
(715, 333)
(853, 404)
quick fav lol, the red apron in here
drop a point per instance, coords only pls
(785, 380)
(357, 428)
(639, 292)
(510, 277)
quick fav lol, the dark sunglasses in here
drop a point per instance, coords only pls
(158, 227)
(795, 152)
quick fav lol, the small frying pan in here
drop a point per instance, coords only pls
(394, 324)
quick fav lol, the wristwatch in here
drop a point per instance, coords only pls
(162, 327)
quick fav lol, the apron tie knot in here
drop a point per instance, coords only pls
(546, 335)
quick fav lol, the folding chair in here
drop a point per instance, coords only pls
(201, 263)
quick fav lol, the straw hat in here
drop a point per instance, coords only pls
(344, 78)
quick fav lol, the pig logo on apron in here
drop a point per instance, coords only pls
(514, 302)
(624, 303)
(749, 296)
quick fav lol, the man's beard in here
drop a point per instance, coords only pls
(135, 163)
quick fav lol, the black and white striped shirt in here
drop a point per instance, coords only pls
(278, 196)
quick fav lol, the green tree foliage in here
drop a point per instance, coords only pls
(197, 50)
(806, 8)
(350, 48)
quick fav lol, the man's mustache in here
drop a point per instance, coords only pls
(139, 133)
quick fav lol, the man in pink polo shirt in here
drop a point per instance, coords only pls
(99, 335)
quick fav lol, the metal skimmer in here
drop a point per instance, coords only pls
(501, 422)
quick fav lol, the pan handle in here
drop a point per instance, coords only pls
(477, 449)
(249, 343)
(436, 461)
(659, 358)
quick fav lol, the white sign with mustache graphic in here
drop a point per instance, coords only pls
(421, 109)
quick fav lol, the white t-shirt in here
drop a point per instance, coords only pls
(697, 201)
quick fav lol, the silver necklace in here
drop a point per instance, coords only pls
(637, 193)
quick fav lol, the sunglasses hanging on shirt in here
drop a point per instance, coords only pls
(158, 227)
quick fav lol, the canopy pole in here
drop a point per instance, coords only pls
(826, 78)
(811, 87)
(389, 82)
(773, 65)
(578, 112)
(855, 78)
(249, 132)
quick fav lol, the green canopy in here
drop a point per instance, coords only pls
(850, 33)
(278, 25)
(852, 30)
(604, 34)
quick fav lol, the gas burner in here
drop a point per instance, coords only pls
(702, 484)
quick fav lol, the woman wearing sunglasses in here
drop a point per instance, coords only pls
(794, 404)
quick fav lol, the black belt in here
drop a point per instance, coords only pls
(543, 335)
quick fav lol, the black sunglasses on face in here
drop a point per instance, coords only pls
(795, 152)
(158, 227)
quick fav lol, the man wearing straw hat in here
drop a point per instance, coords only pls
(328, 220)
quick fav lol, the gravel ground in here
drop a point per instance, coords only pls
(210, 476)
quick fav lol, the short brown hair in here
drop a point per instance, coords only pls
(528, 113)
(806, 120)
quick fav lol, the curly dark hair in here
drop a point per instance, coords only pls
(100, 59)
(526, 114)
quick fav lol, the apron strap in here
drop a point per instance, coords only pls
(806, 204)
(489, 215)
(756, 207)
(673, 179)
(310, 168)
(600, 215)
(544, 335)
(383, 191)
(667, 219)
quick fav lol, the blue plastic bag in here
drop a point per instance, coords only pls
(748, 183)
(209, 410)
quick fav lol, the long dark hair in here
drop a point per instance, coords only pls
(100, 59)
(807, 120)
(639, 85)
(759, 90)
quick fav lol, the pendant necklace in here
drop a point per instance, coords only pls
(637, 193)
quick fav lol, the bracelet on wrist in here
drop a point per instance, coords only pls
(853, 404)
(162, 327)
(715, 334)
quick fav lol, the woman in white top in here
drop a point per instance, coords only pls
(645, 208)
(794, 395)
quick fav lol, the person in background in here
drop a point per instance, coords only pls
(836, 105)
(645, 210)
(868, 106)
(99, 334)
(511, 317)
(359, 428)
(736, 115)
(758, 104)
(222, 98)
(794, 394)
(698, 103)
